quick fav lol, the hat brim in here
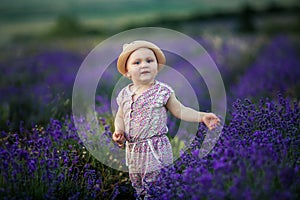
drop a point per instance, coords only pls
(127, 51)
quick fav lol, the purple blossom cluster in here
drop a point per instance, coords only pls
(39, 75)
(276, 69)
(256, 157)
(44, 82)
(230, 56)
(52, 163)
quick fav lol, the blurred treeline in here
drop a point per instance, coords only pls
(247, 19)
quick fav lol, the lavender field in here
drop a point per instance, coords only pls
(256, 157)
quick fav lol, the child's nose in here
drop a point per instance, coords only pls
(144, 64)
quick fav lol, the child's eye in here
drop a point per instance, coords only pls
(136, 62)
(149, 61)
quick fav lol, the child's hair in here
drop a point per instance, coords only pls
(128, 49)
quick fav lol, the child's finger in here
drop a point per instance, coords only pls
(114, 137)
(120, 143)
(117, 134)
(122, 138)
(213, 125)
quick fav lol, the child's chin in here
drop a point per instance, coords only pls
(146, 77)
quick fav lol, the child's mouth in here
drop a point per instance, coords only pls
(145, 72)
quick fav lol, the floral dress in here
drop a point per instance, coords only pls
(148, 149)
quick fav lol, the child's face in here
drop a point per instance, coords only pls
(142, 66)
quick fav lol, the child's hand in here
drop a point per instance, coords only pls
(211, 121)
(118, 137)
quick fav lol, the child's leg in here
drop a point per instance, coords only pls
(136, 182)
(149, 183)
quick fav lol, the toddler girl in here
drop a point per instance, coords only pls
(142, 114)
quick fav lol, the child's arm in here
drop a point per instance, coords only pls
(119, 121)
(118, 135)
(188, 114)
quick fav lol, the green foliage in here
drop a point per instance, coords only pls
(245, 21)
(67, 25)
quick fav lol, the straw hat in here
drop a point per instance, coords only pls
(131, 47)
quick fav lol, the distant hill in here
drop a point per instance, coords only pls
(14, 10)
(29, 18)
